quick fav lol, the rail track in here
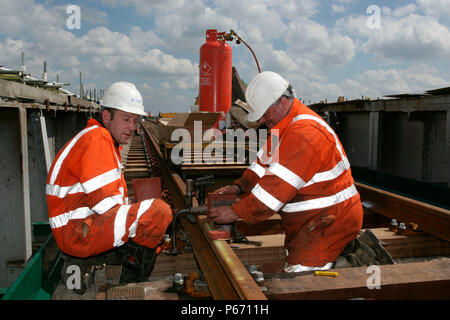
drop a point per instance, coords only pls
(224, 265)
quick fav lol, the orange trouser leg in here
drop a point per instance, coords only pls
(153, 224)
(144, 222)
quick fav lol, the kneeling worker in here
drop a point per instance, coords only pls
(87, 194)
(304, 176)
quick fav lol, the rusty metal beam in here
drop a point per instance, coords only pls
(243, 282)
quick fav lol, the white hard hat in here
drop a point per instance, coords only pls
(266, 88)
(124, 96)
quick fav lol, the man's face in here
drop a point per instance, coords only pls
(271, 117)
(275, 113)
(121, 126)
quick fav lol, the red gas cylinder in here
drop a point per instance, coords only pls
(215, 73)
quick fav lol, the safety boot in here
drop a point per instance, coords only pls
(382, 255)
(137, 263)
(356, 254)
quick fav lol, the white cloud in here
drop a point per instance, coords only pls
(414, 37)
(337, 8)
(10, 52)
(165, 85)
(321, 45)
(25, 15)
(144, 7)
(376, 83)
(440, 8)
(373, 83)
(340, 6)
(293, 9)
(404, 11)
(106, 49)
(403, 34)
(161, 57)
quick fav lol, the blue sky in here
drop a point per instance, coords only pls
(325, 49)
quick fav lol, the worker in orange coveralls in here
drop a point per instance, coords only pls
(303, 175)
(87, 194)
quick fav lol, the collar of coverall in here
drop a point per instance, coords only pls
(281, 126)
(93, 121)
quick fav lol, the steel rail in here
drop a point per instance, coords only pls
(225, 274)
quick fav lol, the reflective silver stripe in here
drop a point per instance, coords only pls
(101, 180)
(286, 175)
(120, 224)
(107, 204)
(61, 192)
(256, 168)
(143, 207)
(64, 218)
(321, 202)
(266, 198)
(340, 167)
(66, 151)
(86, 187)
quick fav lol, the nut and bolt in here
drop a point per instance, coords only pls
(178, 278)
(252, 269)
(401, 227)
(259, 277)
(393, 225)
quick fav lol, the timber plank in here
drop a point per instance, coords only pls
(399, 246)
(136, 165)
(423, 280)
(410, 246)
(269, 257)
(169, 265)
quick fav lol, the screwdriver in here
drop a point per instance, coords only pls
(326, 273)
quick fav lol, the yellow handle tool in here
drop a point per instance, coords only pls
(326, 273)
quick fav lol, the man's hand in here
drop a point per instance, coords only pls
(230, 189)
(223, 214)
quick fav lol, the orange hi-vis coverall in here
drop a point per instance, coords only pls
(87, 198)
(306, 178)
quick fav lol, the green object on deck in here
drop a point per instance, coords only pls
(41, 275)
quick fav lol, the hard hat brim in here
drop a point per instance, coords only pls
(128, 110)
